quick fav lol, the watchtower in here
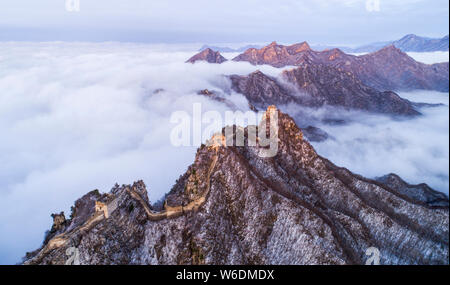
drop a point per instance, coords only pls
(101, 207)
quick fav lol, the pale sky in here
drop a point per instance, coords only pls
(215, 21)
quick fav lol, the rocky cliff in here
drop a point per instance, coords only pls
(234, 207)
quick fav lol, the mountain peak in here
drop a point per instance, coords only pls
(390, 49)
(274, 54)
(410, 36)
(207, 55)
(257, 73)
(300, 47)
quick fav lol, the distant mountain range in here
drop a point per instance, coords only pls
(227, 49)
(332, 78)
(385, 69)
(409, 43)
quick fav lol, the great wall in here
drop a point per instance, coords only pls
(103, 211)
(215, 143)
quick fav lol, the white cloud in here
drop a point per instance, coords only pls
(430, 57)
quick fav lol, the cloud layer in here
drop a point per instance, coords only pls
(430, 57)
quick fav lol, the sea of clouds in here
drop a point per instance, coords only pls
(81, 116)
(430, 57)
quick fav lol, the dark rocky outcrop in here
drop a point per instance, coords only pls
(421, 192)
(214, 96)
(234, 207)
(261, 90)
(315, 134)
(207, 55)
(325, 85)
(59, 225)
(317, 85)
